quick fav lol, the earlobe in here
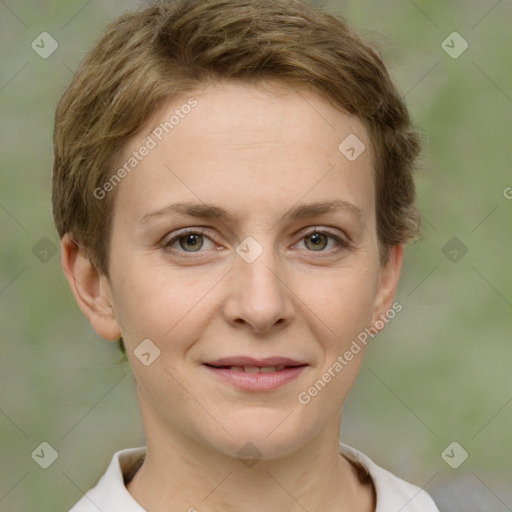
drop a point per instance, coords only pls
(90, 288)
(389, 277)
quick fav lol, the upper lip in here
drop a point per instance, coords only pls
(251, 361)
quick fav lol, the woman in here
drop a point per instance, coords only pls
(233, 190)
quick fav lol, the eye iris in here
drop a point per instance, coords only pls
(318, 239)
(195, 240)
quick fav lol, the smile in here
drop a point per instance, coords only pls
(256, 369)
(254, 377)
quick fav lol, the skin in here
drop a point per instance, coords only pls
(256, 153)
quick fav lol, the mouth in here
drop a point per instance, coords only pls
(252, 369)
(250, 374)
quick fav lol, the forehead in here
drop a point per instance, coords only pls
(242, 145)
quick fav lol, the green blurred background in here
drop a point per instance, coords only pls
(441, 370)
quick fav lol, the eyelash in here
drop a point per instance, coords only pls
(343, 244)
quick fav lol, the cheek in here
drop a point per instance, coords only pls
(342, 302)
(153, 303)
(344, 307)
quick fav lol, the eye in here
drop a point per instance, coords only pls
(194, 240)
(317, 241)
(188, 240)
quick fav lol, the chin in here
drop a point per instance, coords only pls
(263, 433)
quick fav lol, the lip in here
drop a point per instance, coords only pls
(256, 382)
(251, 361)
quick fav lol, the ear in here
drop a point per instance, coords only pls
(91, 289)
(388, 284)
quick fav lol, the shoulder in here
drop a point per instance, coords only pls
(110, 493)
(392, 492)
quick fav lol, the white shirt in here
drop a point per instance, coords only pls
(393, 493)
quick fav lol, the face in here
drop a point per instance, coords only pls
(244, 247)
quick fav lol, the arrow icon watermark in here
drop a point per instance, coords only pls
(146, 352)
(351, 147)
(454, 45)
(249, 249)
(44, 45)
(45, 455)
(454, 455)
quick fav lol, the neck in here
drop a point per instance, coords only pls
(180, 473)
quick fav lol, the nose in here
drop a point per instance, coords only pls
(259, 297)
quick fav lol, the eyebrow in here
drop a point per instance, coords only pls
(211, 211)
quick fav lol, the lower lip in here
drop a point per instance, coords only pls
(258, 381)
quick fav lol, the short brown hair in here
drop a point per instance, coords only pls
(173, 47)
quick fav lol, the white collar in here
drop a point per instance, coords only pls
(393, 493)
